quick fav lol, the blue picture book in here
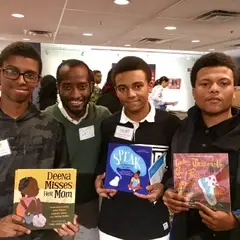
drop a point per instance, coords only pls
(127, 168)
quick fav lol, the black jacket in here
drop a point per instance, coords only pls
(230, 142)
(37, 141)
(125, 216)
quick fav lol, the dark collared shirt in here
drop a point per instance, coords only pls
(201, 142)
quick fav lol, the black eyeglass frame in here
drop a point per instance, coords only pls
(21, 74)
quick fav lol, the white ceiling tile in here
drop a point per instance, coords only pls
(123, 24)
(189, 9)
(137, 7)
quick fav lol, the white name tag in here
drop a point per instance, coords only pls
(86, 133)
(4, 148)
(124, 133)
(165, 226)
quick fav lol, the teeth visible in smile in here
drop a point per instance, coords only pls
(76, 102)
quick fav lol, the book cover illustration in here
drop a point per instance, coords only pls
(157, 151)
(157, 170)
(127, 168)
(45, 198)
(203, 178)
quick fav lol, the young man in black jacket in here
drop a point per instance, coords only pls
(124, 215)
(212, 126)
(28, 138)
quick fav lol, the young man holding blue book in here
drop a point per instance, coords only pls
(131, 215)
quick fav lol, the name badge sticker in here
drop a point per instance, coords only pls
(124, 133)
(4, 148)
(86, 133)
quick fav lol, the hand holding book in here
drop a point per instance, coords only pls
(11, 226)
(68, 229)
(155, 192)
(217, 220)
(103, 192)
(176, 203)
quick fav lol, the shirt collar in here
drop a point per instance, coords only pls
(221, 128)
(149, 118)
(65, 114)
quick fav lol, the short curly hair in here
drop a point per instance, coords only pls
(21, 49)
(215, 59)
(131, 63)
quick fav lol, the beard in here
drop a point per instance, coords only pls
(77, 112)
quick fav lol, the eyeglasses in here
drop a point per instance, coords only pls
(14, 73)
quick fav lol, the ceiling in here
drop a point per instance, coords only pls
(114, 25)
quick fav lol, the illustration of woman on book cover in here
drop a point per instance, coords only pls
(135, 183)
(30, 207)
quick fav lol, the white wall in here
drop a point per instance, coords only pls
(170, 65)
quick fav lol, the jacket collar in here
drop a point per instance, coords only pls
(231, 136)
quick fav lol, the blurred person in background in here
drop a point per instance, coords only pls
(109, 97)
(48, 92)
(96, 90)
(156, 97)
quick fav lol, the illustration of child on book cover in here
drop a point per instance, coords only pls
(127, 168)
(203, 178)
(45, 198)
(30, 207)
(135, 183)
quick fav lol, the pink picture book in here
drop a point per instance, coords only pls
(204, 178)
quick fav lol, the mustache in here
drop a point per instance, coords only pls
(76, 99)
(66, 99)
(213, 98)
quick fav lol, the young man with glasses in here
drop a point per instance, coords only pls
(29, 138)
(82, 120)
(124, 215)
